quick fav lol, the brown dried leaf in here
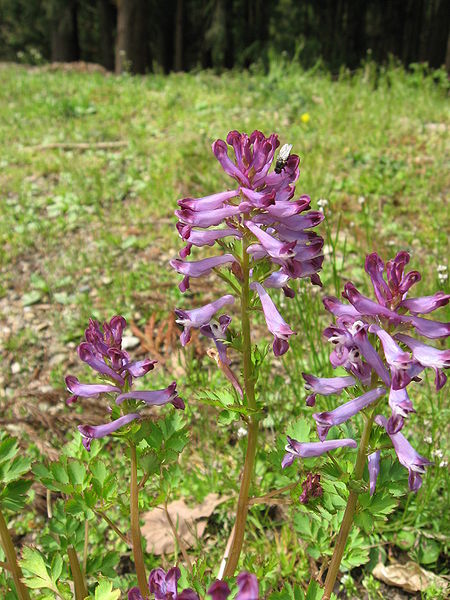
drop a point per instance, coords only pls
(190, 523)
(411, 577)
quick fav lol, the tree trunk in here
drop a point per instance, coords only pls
(178, 50)
(64, 31)
(132, 46)
(107, 22)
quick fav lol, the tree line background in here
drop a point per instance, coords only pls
(174, 35)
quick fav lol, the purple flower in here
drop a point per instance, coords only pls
(103, 352)
(247, 588)
(374, 469)
(339, 415)
(400, 362)
(428, 356)
(275, 323)
(195, 237)
(325, 386)
(198, 268)
(164, 585)
(296, 449)
(208, 202)
(311, 488)
(90, 432)
(199, 317)
(155, 397)
(401, 406)
(425, 304)
(219, 590)
(86, 390)
(217, 331)
(407, 456)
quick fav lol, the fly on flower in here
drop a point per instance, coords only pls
(282, 158)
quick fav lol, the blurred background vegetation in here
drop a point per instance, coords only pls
(150, 36)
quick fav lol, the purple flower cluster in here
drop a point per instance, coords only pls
(103, 352)
(257, 222)
(164, 586)
(372, 341)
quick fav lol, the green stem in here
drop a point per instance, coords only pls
(136, 537)
(11, 558)
(78, 580)
(252, 429)
(349, 513)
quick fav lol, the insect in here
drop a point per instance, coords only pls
(283, 157)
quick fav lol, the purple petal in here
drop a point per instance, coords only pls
(366, 306)
(271, 245)
(275, 323)
(426, 304)
(206, 218)
(338, 309)
(135, 594)
(374, 268)
(187, 594)
(296, 449)
(256, 199)
(429, 329)
(90, 432)
(140, 368)
(219, 590)
(155, 397)
(198, 268)
(407, 456)
(220, 150)
(248, 586)
(88, 355)
(208, 202)
(325, 386)
(199, 317)
(374, 469)
(368, 351)
(339, 415)
(86, 390)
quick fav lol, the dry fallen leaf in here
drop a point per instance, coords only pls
(189, 522)
(411, 577)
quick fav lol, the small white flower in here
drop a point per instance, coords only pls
(428, 439)
(322, 203)
(437, 453)
(443, 463)
(241, 432)
(361, 200)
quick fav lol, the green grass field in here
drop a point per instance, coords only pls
(89, 232)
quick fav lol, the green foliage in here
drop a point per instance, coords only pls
(38, 575)
(13, 489)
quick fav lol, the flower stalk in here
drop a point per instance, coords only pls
(11, 558)
(78, 579)
(136, 537)
(350, 509)
(252, 429)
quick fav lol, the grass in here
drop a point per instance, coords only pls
(90, 233)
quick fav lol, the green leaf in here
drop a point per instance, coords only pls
(59, 473)
(104, 591)
(76, 472)
(405, 539)
(99, 470)
(314, 592)
(14, 495)
(33, 562)
(56, 567)
(299, 430)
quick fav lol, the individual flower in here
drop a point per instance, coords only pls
(311, 488)
(339, 415)
(275, 322)
(199, 317)
(325, 386)
(373, 463)
(295, 449)
(164, 586)
(247, 588)
(103, 352)
(407, 456)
